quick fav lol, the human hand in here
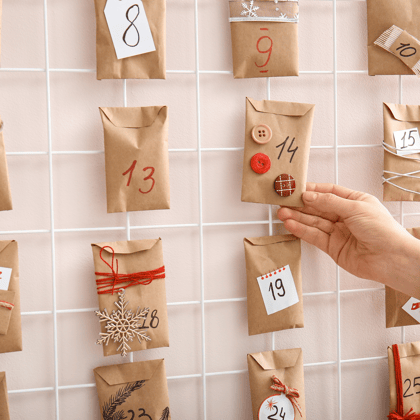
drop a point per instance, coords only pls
(359, 234)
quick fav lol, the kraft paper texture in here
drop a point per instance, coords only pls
(396, 118)
(410, 369)
(136, 256)
(4, 400)
(5, 195)
(381, 15)
(12, 339)
(286, 119)
(141, 135)
(151, 65)
(140, 388)
(264, 255)
(287, 365)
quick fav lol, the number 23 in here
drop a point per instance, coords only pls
(142, 414)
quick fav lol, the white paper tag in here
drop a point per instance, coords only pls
(129, 27)
(412, 307)
(5, 274)
(276, 407)
(407, 141)
(278, 290)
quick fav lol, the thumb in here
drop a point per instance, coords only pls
(330, 203)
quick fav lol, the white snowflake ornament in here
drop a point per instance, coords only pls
(122, 325)
(249, 10)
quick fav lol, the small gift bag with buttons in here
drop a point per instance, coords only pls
(136, 158)
(130, 39)
(130, 282)
(277, 144)
(401, 144)
(404, 380)
(393, 34)
(274, 283)
(277, 385)
(133, 391)
(4, 400)
(10, 318)
(264, 38)
(401, 309)
(5, 195)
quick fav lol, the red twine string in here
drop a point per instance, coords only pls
(110, 282)
(6, 305)
(398, 414)
(290, 393)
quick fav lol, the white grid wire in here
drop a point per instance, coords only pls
(200, 225)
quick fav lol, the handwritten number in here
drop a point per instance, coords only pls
(143, 414)
(132, 414)
(406, 47)
(279, 286)
(409, 386)
(132, 26)
(130, 169)
(154, 318)
(271, 417)
(269, 50)
(152, 171)
(289, 149)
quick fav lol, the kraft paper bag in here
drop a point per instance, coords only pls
(267, 256)
(133, 390)
(151, 65)
(4, 400)
(396, 316)
(401, 177)
(143, 260)
(11, 339)
(287, 367)
(264, 38)
(136, 158)
(382, 15)
(409, 358)
(277, 145)
(5, 195)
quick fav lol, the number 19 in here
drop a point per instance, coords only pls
(279, 287)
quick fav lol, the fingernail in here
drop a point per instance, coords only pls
(310, 196)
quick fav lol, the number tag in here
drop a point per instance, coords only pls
(412, 307)
(278, 290)
(276, 407)
(407, 141)
(5, 274)
(129, 27)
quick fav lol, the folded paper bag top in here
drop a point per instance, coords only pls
(277, 360)
(130, 117)
(289, 109)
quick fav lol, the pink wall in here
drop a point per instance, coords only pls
(79, 202)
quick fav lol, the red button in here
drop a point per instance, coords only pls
(260, 163)
(285, 185)
(261, 134)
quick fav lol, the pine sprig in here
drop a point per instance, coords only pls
(108, 409)
(165, 414)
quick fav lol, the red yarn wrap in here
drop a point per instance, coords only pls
(6, 305)
(113, 281)
(398, 414)
(290, 393)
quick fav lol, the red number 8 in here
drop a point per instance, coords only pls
(269, 50)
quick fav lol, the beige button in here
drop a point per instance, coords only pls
(261, 134)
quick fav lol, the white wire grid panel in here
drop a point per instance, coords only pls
(192, 401)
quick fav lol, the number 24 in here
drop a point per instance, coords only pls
(130, 170)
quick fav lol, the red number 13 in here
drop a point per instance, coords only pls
(130, 170)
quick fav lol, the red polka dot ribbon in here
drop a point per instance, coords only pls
(291, 393)
(113, 281)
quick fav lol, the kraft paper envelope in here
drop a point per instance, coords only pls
(11, 340)
(136, 256)
(396, 316)
(144, 66)
(381, 15)
(291, 126)
(287, 365)
(4, 400)
(133, 390)
(5, 195)
(397, 118)
(136, 158)
(264, 255)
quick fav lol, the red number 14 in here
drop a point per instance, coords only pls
(130, 170)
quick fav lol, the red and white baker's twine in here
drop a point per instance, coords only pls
(7, 305)
(290, 393)
(113, 281)
(398, 414)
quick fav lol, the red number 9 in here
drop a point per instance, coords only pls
(265, 51)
